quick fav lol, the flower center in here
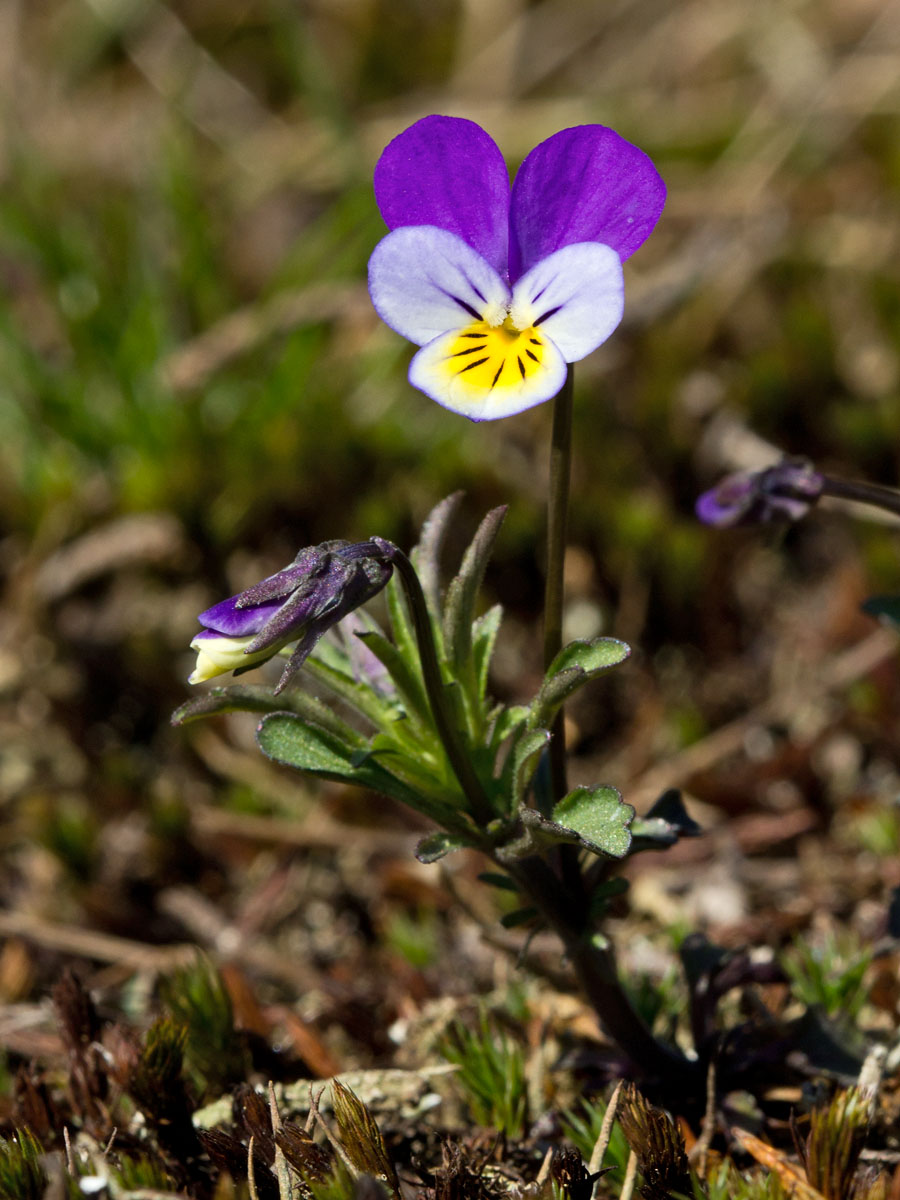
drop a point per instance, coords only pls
(495, 356)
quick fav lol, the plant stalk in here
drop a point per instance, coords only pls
(595, 969)
(557, 528)
(862, 493)
(441, 711)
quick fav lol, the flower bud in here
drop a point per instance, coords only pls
(785, 492)
(296, 605)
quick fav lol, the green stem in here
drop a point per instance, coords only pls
(451, 739)
(595, 969)
(557, 527)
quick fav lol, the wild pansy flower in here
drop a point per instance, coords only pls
(785, 492)
(502, 288)
(299, 604)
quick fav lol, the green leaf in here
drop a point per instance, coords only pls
(534, 834)
(243, 698)
(381, 711)
(288, 739)
(600, 818)
(886, 608)
(406, 679)
(521, 764)
(459, 610)
(423, 768)
(573, 667)
(401, 622)
(237, 698)
(426, 556)
(484, 637)
(436, 845)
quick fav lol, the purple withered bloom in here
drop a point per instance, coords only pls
(299, 604)
(502, 288)
(785, 492)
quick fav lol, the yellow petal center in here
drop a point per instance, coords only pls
(495, 356)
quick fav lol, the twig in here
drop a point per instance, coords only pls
(315, 831)
(332, 1140)
(544, 1173)
(282, 1171)
(630, 1175)
(314, 1098)
(70, 1157)
(102, 947)
(700, 1150)
(602, 1144)
(251, 1170)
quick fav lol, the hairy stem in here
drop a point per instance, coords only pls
(451, 739)
(595, 969)
(557, 527)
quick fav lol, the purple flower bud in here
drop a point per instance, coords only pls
(785, 492)
(299, 604)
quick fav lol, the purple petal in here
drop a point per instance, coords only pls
(448, 172)
(575, 297)
(585, 184)
(225, 618)
(424, 281)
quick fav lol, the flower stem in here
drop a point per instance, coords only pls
(557, 526)
(863, 493)
(441, 711)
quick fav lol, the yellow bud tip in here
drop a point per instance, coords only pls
(219, 655)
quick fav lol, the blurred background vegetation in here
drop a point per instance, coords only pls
(193, 385)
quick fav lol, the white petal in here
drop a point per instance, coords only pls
(488, 372)
(217, 655)
(424, 281)
(575, 296)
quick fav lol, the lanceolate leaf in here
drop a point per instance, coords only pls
(459, 611)
(521, 763)
(408, 683)
(426, 556)
(237, 698)
(380, 711)
(600, 818)
(574, 666)
(243, 698)
(506, 721)
(287, 739)
(484, 637)
(401, 623)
